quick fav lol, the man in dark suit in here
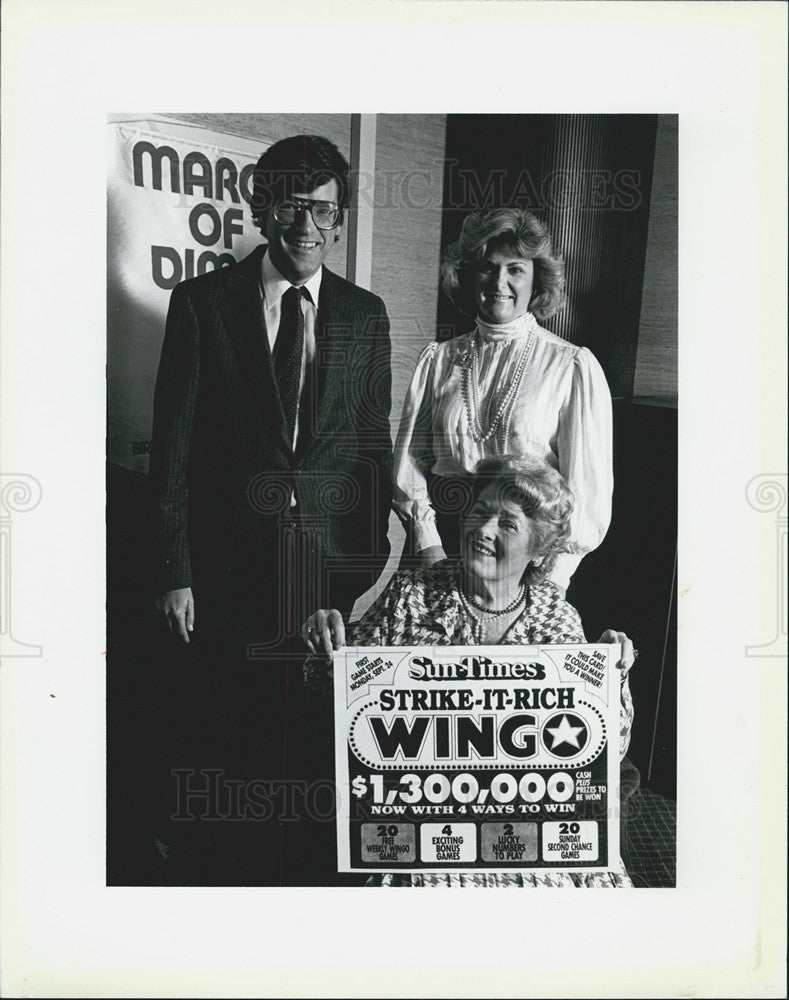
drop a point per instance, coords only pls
(271, 463)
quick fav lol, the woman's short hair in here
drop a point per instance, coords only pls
(297, 165)
(543, 496)
(503, 228)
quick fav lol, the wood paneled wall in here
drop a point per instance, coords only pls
(409, 160)
(407, 236)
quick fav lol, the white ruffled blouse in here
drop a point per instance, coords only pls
(561, 413)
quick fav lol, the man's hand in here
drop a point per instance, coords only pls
(627, 654)
(432, 554)
(323, 632)
(178, 608)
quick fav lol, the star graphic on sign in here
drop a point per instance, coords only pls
(566, 733)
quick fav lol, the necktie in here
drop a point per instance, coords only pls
(287, 355)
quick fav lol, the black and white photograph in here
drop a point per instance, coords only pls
(503, 306)
(393, 497)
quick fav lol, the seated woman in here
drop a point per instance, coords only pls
(497, 593)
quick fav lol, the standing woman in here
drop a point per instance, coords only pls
(507, 387)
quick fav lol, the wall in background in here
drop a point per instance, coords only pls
(657, 358)
(407, 236)
(589, 178)
(409, 157)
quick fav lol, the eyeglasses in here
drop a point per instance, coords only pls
(325, 214)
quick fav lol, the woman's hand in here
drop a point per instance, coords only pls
(323, 632)
(432, 554)
(627, 654)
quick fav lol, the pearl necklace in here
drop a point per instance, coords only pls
(471, 391)
(473, 606)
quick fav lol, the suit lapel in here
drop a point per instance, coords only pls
(242, 315)
(332, 341)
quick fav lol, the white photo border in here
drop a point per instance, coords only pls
(66, 65)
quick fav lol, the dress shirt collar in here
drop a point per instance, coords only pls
(275, 286)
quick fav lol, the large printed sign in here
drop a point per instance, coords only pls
(486, 758)
(177, 207)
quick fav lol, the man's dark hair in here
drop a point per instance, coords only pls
(298, 165)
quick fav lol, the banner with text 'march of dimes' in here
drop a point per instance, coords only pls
(177, 207)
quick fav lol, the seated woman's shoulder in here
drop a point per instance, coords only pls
(546, 593)
(546, 590)
(443, 571)
(444, 567)
(437, 575)
(425, 583)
